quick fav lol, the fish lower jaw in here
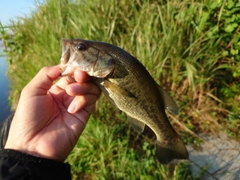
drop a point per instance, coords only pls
(66, 69)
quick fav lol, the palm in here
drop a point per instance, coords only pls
(52, 131)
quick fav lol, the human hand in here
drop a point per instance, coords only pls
(50, 117)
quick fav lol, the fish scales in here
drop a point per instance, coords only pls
(140, 78)
(143, 96)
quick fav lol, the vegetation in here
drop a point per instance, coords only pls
(190, 47)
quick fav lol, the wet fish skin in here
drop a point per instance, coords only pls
(128, 85)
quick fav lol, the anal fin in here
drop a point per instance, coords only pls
(136, 124)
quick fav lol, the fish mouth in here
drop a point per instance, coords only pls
(66, 45)
(65, 66)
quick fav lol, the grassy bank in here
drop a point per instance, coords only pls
(191, 48)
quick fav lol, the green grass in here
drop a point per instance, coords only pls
(190, 47)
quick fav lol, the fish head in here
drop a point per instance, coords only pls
(81, 54)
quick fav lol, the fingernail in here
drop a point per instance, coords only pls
(72, 107)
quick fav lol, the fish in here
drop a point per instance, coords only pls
(129, 86)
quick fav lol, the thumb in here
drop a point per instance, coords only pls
(43, 81)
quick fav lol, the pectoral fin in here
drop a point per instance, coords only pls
(169, 103)
(136, 124)
(119, 91)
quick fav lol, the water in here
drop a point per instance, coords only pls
(4, 87)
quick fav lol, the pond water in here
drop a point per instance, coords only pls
(4, 87)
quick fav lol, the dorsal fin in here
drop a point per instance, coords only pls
(169, 103)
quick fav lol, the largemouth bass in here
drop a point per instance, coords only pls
(129, 86)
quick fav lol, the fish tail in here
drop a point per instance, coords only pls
(172, 150)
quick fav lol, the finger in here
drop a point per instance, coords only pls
(83, 116)
(81, 76)
(83, 88)
(43, 80)
(80, 102)
(62, 83)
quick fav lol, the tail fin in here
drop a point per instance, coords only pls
(172, 150)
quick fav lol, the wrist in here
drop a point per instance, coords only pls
(14, 147)
(33, 152)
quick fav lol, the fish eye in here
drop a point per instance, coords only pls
(81, 46)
